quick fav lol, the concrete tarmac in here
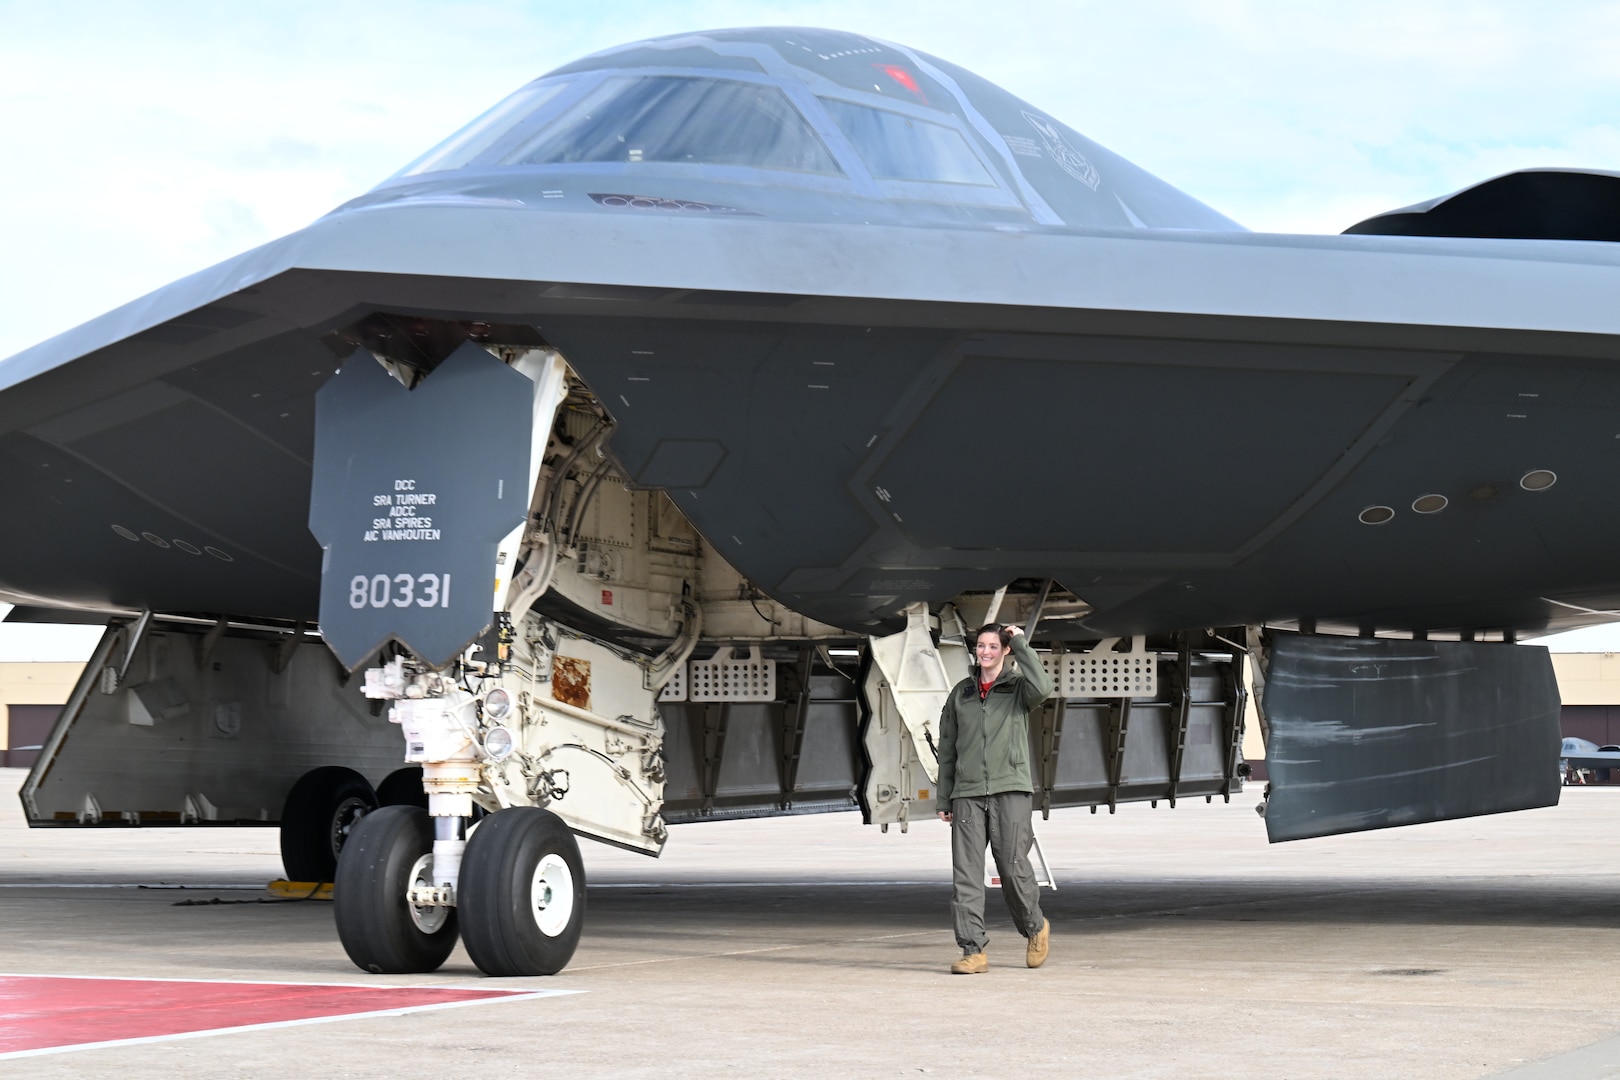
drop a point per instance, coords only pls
(1183, 945)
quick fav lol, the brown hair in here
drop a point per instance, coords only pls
(1002, 633)
(998, 629)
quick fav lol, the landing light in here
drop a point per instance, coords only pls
(1375, 515)
(498, 743)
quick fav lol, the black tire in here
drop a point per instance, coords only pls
(403, 787)
(316, 820)
(380, 931)
(522, 893)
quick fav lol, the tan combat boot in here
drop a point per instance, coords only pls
(1035, 955)
(971, 964)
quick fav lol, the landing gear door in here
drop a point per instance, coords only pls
(1368, 733)
(907, 684)
(412, 491)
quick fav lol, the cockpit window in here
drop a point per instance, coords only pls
(899, 147)
(680, 119)
(482, 133)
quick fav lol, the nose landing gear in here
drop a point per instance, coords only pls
(519, 906)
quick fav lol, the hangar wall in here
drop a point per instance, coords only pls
(1588, 678)
(1589, 684)
(31, 694)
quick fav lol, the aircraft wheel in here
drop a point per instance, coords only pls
(522, 894)
(388, 852)
(316, 820)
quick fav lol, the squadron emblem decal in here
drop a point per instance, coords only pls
(1071, 160)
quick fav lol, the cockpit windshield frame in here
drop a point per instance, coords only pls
(931, 137)
(995, 191)
(711, 151)
(677, 119)
(472, 141)
(554, 96)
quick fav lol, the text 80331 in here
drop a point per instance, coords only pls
(400, 590)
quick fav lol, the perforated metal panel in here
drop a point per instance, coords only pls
(724, 678)
(1114, 675)
(1106, 673)
(675, 689)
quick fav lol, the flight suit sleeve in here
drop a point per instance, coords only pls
(947, 754)
(1036, 683)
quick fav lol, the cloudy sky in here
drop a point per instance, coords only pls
(143, 141)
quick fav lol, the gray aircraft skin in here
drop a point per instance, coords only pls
(885, 333)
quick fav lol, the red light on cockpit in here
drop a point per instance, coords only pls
(904, 78)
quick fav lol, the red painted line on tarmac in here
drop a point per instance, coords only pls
(46, 1014)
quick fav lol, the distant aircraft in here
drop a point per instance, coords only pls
(1577, 756)
(648, 450)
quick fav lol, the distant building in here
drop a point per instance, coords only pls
(1589, 684)
(31, 697)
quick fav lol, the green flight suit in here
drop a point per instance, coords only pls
(984, 782)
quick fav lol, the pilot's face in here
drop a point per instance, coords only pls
(989, 650)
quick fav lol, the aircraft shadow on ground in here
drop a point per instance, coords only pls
(1106, 907)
